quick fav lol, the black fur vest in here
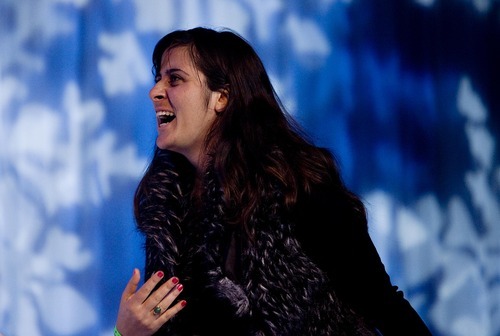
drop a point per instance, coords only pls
(279, 290)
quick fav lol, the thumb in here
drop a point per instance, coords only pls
(131, 285)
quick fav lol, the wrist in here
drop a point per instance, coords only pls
(116, 332)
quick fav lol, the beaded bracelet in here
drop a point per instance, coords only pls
(116, 332)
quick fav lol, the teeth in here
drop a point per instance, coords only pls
(164, 114)
(164, 117)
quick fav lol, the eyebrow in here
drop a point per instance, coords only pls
(173, 70)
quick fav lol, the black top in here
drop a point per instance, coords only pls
(342, 247)
(281, 283)
(340, 244)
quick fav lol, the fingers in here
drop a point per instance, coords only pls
(148, 296)
(165, 294)
(163, 298)
(139, 296)
(169, 313)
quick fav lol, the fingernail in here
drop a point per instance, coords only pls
(180, 287)
(183, 303)
(175, 280)
(160, 274)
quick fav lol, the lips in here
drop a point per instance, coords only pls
(164, 117)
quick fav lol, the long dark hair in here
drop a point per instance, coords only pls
(254, 143)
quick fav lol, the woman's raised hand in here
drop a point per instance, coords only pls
(142, 312)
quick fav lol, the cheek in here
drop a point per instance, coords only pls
(211, 99)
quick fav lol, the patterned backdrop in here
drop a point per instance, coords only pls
(405, 92)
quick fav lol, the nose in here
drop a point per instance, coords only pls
(157, 92)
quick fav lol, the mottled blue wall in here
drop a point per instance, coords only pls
(405, 93)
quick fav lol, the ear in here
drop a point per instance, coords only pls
(222, 100)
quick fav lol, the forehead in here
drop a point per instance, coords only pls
(177, 58)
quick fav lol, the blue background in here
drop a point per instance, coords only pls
(404, 92)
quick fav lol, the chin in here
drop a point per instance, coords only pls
(161, 145)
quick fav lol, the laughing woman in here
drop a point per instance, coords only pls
(249, 229)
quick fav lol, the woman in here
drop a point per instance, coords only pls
(242, 208)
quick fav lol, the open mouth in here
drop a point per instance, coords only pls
(164, 117)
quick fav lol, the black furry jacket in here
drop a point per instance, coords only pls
(311, 272)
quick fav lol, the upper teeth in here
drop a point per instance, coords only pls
(164, 113)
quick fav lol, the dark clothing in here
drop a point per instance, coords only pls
(340, 244)
(312, 271)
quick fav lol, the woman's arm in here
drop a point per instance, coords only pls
(337, 239)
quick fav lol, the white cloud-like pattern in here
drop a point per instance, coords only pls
(124, 65)
(59, 155)
(50, 153)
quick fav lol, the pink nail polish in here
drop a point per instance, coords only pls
(180, 287)
(175, 280)
(160, 274)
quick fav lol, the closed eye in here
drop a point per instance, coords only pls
(173, 79)
(172, 75)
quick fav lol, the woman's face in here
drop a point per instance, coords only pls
(185, 107)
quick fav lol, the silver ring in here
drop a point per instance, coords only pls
(157, 310)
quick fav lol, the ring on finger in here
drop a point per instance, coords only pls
(157, 310)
